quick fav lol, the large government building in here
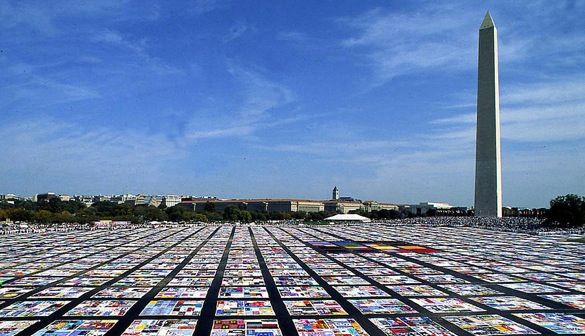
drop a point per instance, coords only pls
(336, 204)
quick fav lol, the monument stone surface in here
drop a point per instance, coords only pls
(488, 165)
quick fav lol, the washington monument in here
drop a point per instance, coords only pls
(488, 165)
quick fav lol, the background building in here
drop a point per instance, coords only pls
(424, 207)
(335, 194)
(342, 206)
(257, 205)
(370, 206)
(10, 198)
(171, 200)
(46, 197)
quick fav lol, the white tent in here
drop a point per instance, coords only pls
(348, 218)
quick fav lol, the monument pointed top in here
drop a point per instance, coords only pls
(487, 21)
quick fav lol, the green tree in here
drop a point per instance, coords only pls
(568, 210)
(105, 209)
(20, 214)
(259, 216)
(278, 215)
(150, 213)
(373, 214)
(43, 216)
(27, 205)
(317, 216)
(199, 217)
(176, 213)
(179, 213)
(394, 214)
(63, 217)
(299, 214)
(431, 212)
(122, 210)
(213, 216)
(86, 215)
(245, 216)
(231, 213)
(73, 206)
(209, 207)
(55, 205)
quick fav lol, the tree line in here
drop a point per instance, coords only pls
(564, 211)
(57, 211)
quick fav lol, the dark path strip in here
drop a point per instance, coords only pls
(134, 312)
(58, 280)
(205, 323)
(40, 237)
(58, 315)
(488, 309)
(284, 320)
(353, 312)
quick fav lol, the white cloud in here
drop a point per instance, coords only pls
(41, 16)
(546, 92)
(439, 164)
(205, 6)
(293, 36)
(467, 118)
(401, 43)
(444, 37)
(35, 18)
(339, 149)
(237, 30)
(261, 101)
(545, 131)
(230, 131)
(25, 86)
(261, 95)
(51, 154)
(111, 36)
(140, 49)
(546, 111)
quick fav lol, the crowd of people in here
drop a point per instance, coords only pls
(20, 228)
(509, 224)
(23, 228)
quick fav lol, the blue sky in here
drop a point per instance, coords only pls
(286, 98)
